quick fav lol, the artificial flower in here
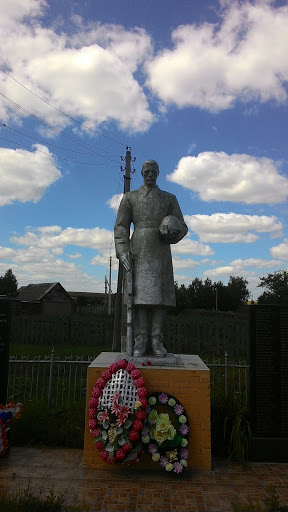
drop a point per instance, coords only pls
(156, 457)
(152, 400)
(137, 425)
(184, 454)
(182, 418)
(177, 467)
(100, 383)
(135, 374)
(184, 429)
(103, 416)
(169, 467)
(163, 398)
(130, 367)
(137, 405)
(178, 409)
(153, 417)
(121, 364)
(133, 435)
(183, 462)
(142, 392)
(152, 448)
(171, 402)
(140, 382)
(184, 442)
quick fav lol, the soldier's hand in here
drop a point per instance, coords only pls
(126, 261)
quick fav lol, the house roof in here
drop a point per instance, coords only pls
(34, 292)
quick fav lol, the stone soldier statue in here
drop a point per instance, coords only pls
(158, 222)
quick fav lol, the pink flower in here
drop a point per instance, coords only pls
(99, 445)
(93, 423)
(121, 364)
(115, 408)
(95, 433)
(140, 415)
(135, 374)
(116, 397)
(120, 454)
(104, 454)
(127, 447)
(93, 402)
(133, 435)
(142, 392)
(130, 367)
(140, 382)
(149, 363)
(106, 375)
(91, 413)
(96, 392)
(137, 425)
(101, 383)
(123, 413)
(113, 367)
(144, 402)
(103, 416)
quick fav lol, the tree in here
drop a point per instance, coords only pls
(236, 293)
(8, 284)
(277, 288)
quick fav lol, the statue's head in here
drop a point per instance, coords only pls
(150, 172)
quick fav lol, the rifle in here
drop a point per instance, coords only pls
(130, 341)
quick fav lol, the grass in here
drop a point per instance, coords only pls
(40, 500)
(57, 426)
(271, 503)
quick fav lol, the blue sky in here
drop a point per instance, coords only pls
(201, 87)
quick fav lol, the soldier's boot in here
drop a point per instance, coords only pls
(140, 347)
(157, 320)
(157, 346)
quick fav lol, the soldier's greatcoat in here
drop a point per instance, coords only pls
(145, 208)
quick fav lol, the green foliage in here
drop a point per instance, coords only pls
(8, 284)
(271, 503)
(277, 288)
(203, 294)
(230, 427)
(53, 427)
(237, 430)
(27, 500)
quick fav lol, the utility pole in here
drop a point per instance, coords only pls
(118, 306)
(109, 295)
(105, 300)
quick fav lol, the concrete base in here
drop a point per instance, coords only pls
(188, 383)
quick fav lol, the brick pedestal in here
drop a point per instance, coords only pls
(189, 384)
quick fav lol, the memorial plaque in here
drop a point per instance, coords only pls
(269, 380)
(5, 324)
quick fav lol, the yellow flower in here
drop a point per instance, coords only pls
(137, 405)
(153, 416)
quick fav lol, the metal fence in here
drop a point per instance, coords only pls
(57, 382)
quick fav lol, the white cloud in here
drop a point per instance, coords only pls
(75, 256)
(232, 227)
(25, 175)
(188, 246)
(237, 178)
(255, 262)
(88, 75)
(180, 263)
(211, 66)
(94, 238)
(114, 201)
(281, 250)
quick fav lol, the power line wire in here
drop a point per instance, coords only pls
(73, 139)
(58, 157)
(45, 142)
(61, 111)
